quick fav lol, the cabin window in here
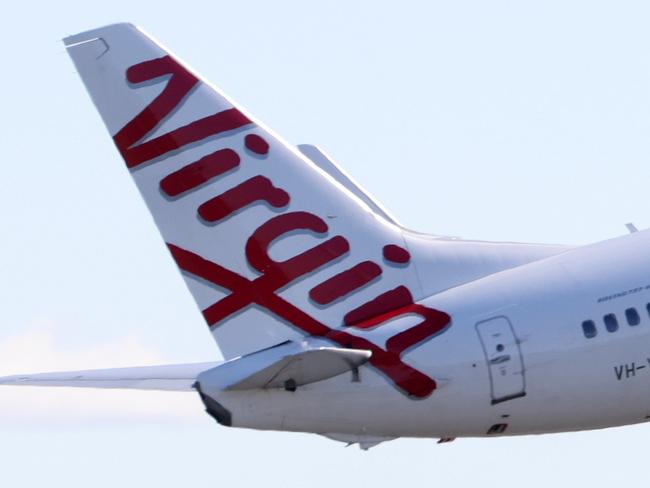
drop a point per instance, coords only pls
(611, 324)
(589, 329)
(632, 316)
(647, 307)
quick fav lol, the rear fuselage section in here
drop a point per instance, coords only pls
(515, 360)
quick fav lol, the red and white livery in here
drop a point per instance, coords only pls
(331, 317)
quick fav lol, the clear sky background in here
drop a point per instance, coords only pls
(518, 120)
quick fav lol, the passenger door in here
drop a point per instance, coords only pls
(504, 359)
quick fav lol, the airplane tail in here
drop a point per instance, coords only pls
(272, 245)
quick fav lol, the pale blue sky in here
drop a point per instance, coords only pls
(524, 121)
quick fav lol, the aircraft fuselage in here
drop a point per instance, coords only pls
(515, 359)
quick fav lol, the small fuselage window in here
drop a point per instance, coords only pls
(632, 316)
(589, 329)
(611, 323)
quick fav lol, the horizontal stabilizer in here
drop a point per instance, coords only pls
(172, 377)
(287, 365)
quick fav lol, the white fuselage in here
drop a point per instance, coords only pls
(286, 256)
(515, 354)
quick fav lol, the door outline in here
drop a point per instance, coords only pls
(492, 361)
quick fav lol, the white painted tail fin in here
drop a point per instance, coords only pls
(271, 246)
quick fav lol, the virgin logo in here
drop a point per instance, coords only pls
(273, 275)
